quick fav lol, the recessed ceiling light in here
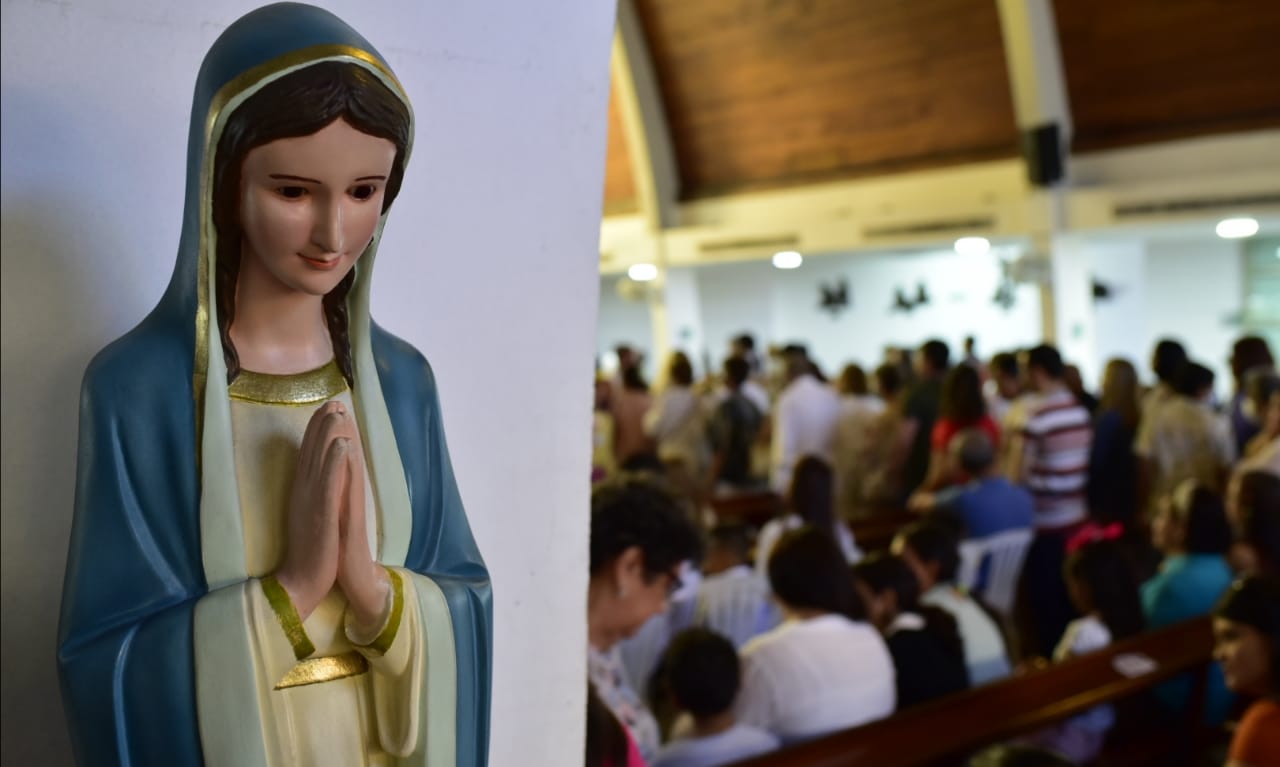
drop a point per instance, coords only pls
(787, 259)
(972, 246)
(643, 272)
(1236, 228)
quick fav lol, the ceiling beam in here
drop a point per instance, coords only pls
(644, 121)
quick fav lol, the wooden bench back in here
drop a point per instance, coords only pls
(970, 720)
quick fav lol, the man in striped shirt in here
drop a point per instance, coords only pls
(1050, 457)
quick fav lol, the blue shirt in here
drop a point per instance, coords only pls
(1188, 586)
(989, 506)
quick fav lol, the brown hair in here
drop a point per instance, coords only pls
(1120, 391)
(299, 104)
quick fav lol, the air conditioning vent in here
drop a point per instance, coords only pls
(1159, 207)
(930, 227)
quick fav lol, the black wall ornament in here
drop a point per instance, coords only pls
(834, 298)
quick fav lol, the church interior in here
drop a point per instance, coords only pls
(827, 226)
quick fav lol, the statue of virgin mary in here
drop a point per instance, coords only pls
(270, 563)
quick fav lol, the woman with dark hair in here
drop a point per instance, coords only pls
(640, 537)
(272, 588)
(608, 743)
(962, 406)
(1246, 629)
(1192, 533)
(810, 501)
(824, 669)
(1112, 487)
(928, 653)
(1254, 511)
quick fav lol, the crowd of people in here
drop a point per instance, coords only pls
(712, 641)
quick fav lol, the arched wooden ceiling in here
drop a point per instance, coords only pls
(770, 93)
(1149, 70)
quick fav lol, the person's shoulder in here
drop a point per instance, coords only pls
(400, 365)
(1257, 738)
(751, 740)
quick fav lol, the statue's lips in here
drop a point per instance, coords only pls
(322, 265)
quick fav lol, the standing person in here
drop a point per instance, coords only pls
(858, 410)
(1246, 629)
(971, 354)
(928, 653)
(1167, 358)
(1112, 487)
(805, 419)
(629, 405)
(1187, 440)
(824, 668)
(1050, 457)
(1249, 355)
(675, 422)
(731, 434)
(879, 464)
(1004, 386)
(1263, 451)
(1192, 532)
(921, 410)
(744, 346)
(1102, 587)
(702, 674)
(603, 464)
(962, 407)
(1075, 382)
(640, 536)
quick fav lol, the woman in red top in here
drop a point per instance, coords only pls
(962, 407)
(1246, 629)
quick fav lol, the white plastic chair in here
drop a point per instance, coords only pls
(1006, 551)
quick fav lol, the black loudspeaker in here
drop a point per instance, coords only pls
(1042, 151)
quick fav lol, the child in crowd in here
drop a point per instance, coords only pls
(1102, 588)
(702, 675)
(928, 653)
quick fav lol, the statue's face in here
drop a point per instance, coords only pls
(309, 206)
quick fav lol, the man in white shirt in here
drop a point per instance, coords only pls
(804, 421)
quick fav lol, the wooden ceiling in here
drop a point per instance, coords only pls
(769, 93)
(1149, 70)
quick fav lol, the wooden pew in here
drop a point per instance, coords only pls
(753, 508)
(873, 531)
(959, 724)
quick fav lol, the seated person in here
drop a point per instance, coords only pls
(824, 669)
(702, 675)
(989, 503)
(1100, 580)
(810, 501)
(932, 551)
(640, 536)
(1192, 532)
(1254, 512)
(1246, 628)
(928, 654)
(733, 599)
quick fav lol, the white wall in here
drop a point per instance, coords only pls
(783, 306)
(1195, 293)
(96, 98)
